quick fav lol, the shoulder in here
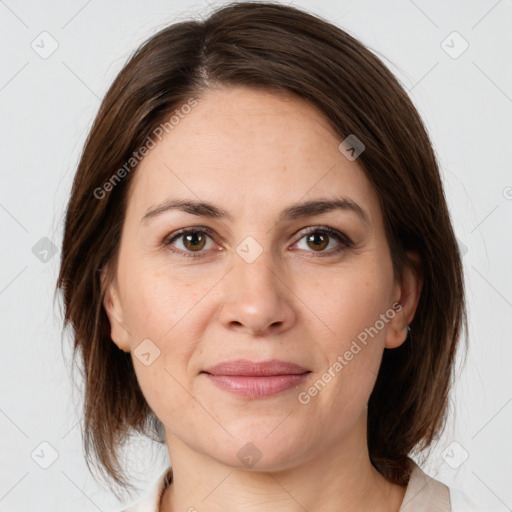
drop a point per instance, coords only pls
(461, 503)
(150, 501)
(426, 493)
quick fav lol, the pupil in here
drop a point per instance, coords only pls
(314, 239)
(190, 240)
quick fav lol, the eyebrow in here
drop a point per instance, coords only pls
(292, 212)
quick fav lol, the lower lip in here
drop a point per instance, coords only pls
(256, 386)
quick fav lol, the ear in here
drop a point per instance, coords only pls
(406, 295)
(112, 304)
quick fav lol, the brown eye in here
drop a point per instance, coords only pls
(189, 241)
(318, 241)
(194, 241)
(318, 238)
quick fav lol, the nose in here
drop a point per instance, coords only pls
(256, 298)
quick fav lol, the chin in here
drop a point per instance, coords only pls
(259, 449)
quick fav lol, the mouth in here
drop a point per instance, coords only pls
(256, 379)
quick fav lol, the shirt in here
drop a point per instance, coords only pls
(423, 494)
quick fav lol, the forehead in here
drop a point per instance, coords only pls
(245, 147)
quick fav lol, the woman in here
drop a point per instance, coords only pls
(258, 260)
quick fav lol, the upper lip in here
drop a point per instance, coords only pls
(244, 367)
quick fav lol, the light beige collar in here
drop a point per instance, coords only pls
(425, 494)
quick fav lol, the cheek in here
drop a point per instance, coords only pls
(163, 307)
(160, 303)
(165, 393)
(351, 308)
(352, 303)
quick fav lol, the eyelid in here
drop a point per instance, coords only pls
(185, 231)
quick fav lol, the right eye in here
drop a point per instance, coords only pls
(193, 240)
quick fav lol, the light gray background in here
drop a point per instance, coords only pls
(48, 105)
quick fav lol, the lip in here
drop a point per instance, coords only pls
(256, 379)
(246, 368)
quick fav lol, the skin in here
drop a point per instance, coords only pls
(254, 153)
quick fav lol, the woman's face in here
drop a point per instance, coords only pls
(255, 283)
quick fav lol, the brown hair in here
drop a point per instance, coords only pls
(282, 49)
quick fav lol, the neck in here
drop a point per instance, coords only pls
(340, 478)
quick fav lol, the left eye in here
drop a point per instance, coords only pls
(318, 238)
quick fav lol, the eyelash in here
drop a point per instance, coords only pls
(344, 240)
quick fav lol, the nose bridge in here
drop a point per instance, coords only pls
(256, 267)
(255, 294)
